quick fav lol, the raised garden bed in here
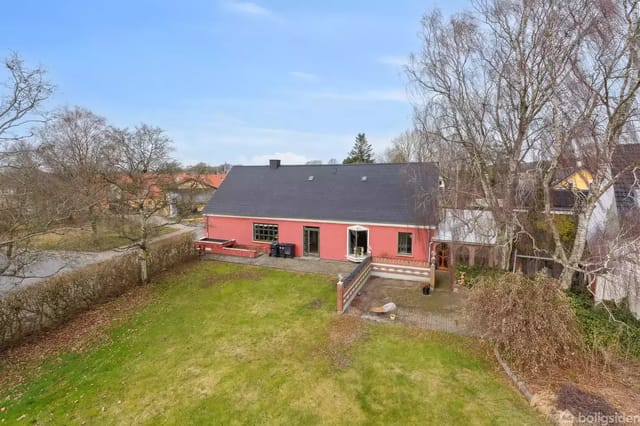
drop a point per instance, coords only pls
(222, 246)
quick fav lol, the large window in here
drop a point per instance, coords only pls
(405, 243)
(265, 232)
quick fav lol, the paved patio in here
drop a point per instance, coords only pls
(442, 310)
(298, 264)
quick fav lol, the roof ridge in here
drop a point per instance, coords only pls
(339, 165)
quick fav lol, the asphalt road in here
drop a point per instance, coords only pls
(43, 264)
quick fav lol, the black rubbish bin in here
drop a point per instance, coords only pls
(286, 250)
(291, 250)
(275, 249)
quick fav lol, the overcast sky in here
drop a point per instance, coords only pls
(232, 81)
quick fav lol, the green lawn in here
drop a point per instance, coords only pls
(81, 239)
(230, 344)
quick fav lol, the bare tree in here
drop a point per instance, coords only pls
(202, 167)
(26, 89)
(409, 146)
(192, 189)
(595, 111)
(31, 203)
(553, 84)
(141, 179)
(482, 83)
(21, 213)
(75, 147)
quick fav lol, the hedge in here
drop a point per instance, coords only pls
(57, 299)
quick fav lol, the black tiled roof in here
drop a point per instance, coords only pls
(561, 199)
(625, 161)
(567, 199)
(359, 193)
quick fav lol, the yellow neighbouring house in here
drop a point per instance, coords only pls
(579, 179)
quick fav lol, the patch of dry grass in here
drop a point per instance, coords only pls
(344, 333)
(82, 239)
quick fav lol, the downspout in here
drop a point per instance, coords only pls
(430, 233)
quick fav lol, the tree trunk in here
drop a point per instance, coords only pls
(504, 241)
(144, 253)
(9, 251)
(144, 266)
(452, 265)
(94, 223)
(577, 251)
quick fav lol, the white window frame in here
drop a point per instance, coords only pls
(410, 247)
(352, 256)
(253, 230)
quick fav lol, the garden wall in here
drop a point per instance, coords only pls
(57, 299)
(402, 269)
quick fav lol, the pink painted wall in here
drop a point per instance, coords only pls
(383, 240)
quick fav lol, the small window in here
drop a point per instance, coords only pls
(265, 232)
(405, 243)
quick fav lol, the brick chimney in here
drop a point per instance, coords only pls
(274, 164)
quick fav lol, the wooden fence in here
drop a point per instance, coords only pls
(348, 288)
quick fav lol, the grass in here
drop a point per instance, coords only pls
(81, 239)
(231, 344)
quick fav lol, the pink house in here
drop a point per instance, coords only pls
(338, 212)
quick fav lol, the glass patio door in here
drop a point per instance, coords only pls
(310, 241)
(357, 243)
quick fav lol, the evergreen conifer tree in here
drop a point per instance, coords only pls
(362, 151)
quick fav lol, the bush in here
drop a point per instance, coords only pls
(170, 251)
(57, 299)
(601, 332)
(473, 272)
(528, 319)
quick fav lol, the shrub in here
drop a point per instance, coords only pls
(603, 333)
(528, 319)
(474, 272)
(170, 251)
(55, 300)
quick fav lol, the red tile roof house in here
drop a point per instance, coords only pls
(337, 212)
